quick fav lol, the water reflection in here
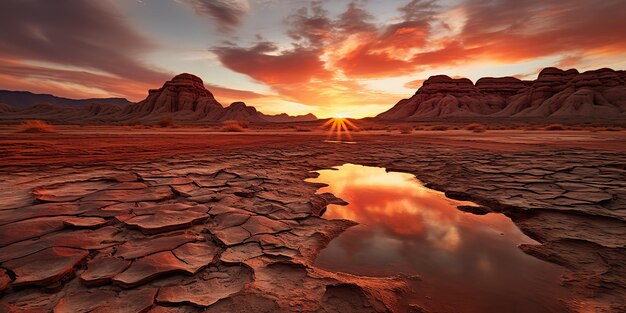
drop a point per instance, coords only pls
(467, 261)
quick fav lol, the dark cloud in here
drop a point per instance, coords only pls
(355, 20)
(85, 34)
(227, 13)
(310, 26)
(417, 10)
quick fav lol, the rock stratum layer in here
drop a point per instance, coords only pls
(556, 94)
(184, 98)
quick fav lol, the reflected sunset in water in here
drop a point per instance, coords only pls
(405, 227)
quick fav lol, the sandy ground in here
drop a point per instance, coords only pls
(183, 220)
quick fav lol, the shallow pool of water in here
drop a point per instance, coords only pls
(468, 263)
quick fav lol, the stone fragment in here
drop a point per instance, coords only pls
(102, 270)
(142, 247)
(241, 253)
(208, 289)
(263, 225)
(196, 254)
(157, 193)
(69, 191)
(231, 236)
(84, 222)
(107, 301)
(40, 210)
(162, 263)
(168, 220)
(30, 228)
(79, 239)
(46, 266)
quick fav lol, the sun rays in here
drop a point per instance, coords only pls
(339, 128)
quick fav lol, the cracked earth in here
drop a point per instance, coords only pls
(203, 223)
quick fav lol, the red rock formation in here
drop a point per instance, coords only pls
(184, 93)
(555, 94)
(444, 96)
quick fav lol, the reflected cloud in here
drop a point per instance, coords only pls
(397, 202)
(405, 227)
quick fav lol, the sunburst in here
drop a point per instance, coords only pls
(339, 128)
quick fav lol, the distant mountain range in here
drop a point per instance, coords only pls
(184, 98)
(25, 99)
(556, 94)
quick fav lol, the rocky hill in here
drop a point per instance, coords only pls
(555, 94)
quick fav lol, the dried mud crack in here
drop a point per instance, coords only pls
(238, 230)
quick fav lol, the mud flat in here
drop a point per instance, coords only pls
(106, 220)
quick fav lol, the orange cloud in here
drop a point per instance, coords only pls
(330, 56)
(414, 84)
(292, 66)
(94, 51)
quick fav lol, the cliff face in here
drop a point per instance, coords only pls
(555, 93)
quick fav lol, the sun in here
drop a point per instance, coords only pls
(340, 127)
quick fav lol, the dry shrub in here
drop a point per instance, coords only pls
(166, 121)
(405, 129)
(555, 127)
(476, 127)
(231, 126)
(35, 126)
(439, 127)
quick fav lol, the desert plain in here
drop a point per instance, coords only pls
(188, 219)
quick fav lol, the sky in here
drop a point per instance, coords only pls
(354, 58)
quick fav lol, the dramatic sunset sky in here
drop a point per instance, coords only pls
(323, 57)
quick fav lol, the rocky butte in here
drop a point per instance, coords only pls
(555, 94)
